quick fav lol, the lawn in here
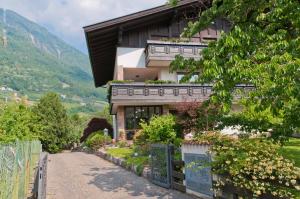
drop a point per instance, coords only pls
(291, 150)
(120, 152)
(128, 155)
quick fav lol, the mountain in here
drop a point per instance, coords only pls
(34, 61)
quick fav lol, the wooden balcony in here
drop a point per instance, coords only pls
(160, 53)
(159, 94)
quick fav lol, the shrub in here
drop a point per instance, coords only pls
(161, 129)
(139, 170)
(95, 125)
(252, 164)
(98, 140)
(159, 82)
(18, 122)
(122, 144)
(140, 138)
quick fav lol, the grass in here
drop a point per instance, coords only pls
(291, 150)
(120, 152)
(128, 155)
(140, 160)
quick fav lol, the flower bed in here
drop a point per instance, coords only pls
(126, 158)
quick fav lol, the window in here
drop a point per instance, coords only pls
(135, 114)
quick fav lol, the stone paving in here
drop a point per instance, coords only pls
(85, 176)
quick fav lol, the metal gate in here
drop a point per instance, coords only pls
(167, 166)
(161, 165)
(177, 167)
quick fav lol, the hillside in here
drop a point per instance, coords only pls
(34, 61)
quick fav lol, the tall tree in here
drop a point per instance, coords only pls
(54, 119)
(262, 48)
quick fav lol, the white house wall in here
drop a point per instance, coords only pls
(135, 58)
(131, 57)
(166, 75)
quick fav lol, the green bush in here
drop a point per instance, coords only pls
(122, 144)
(18, 122)
(159, 82)
(161, 129)
(252, 164)
(98, 140)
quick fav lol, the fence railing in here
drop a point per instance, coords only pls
(18, 163)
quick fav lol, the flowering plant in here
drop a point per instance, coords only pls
(252, 164)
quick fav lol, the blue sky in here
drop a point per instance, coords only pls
(65, 18)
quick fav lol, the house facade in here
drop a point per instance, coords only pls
(135, 51)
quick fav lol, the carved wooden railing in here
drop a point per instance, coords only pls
(167, 51)
(163, 93)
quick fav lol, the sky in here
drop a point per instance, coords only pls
(65, 18)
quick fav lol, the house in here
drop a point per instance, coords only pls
(139, 47)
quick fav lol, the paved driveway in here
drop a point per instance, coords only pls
(86, 176)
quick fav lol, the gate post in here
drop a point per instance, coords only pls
(170, 167)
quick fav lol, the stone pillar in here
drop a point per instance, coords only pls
(121, 123)
(115, 128)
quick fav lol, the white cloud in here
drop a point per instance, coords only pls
(65, 18)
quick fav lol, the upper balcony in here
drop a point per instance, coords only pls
(161, 53)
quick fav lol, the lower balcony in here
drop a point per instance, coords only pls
(136, 94)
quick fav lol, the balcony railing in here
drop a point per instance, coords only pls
(141, 93)
(160, 53)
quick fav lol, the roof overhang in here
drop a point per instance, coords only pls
(102, 38)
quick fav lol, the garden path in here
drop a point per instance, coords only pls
(85, 176)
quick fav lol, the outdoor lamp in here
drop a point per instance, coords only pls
(105, 132)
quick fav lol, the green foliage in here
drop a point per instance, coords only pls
(77, 125)
(46, 121)
(261, 49)
(130, 159)
(122, 144)
(120, 152)
(54, 119)
(18, 122)
(120, 81)
(105, 113)
(252, 164)
(161, 129)
(159, 82)
(291, 150)
(98, 140)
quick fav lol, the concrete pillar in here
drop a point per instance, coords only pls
(115, 128)
(121, 122)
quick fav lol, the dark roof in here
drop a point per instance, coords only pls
(102, 38)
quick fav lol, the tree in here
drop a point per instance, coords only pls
(197, 117)
(53, 117)
(105, 114)
(262, 49)
(18, 122)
